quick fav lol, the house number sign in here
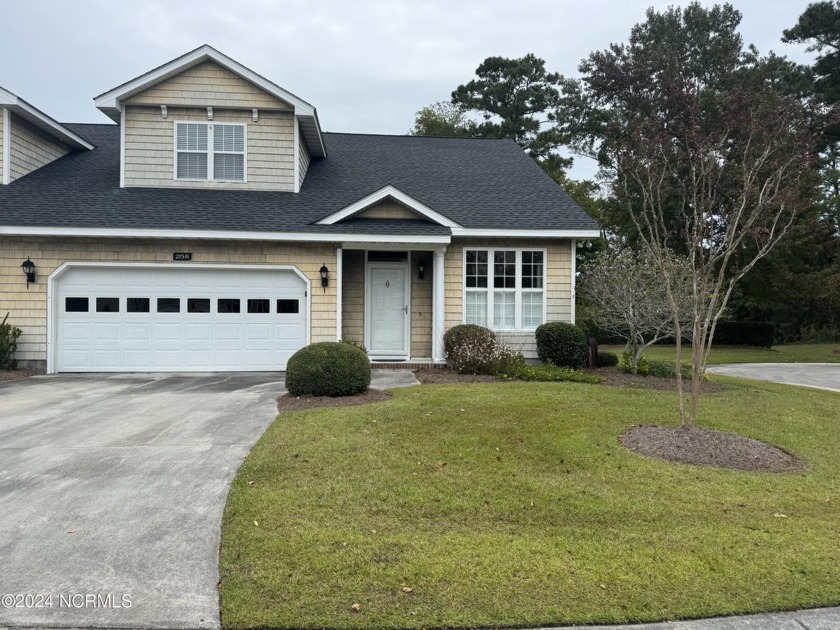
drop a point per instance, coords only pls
(387, 284)
(182, 256)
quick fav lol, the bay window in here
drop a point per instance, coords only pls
(504, 288)
(210, 151)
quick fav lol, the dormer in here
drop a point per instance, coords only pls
(205, 121)
(29, 139)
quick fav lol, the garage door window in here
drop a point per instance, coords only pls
(137, 305)
(107, 305)
(76, 305)
(259, 306)
(227, 305)
(169, 305)
(288, 306)
(198, 305)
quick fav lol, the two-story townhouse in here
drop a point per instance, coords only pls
(214, 226)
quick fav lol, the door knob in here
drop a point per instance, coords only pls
(405, 309)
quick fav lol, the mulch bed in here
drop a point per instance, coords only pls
(836, 351)
(299, 403)
(615, 377)
(707, 447)
(13, 375)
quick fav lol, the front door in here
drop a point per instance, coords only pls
(387, 311)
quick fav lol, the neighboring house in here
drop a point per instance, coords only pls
(194, 233)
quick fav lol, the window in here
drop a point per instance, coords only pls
(169, 305)
(107, 305)
(76, 305)
(504, 288)
(198, 305)
(258, 305)
(137, 305)
(206, 151)
(288, 306)
(227, 305)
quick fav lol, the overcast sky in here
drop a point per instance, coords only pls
(367, 65)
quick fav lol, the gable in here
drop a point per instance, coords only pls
(387, 209)
(208, 85)
(394, 203)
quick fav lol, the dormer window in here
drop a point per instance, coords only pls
(210, 152)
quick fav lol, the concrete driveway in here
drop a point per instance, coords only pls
(112, 490)
(819, 375)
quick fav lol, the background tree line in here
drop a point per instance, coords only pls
(719, 84)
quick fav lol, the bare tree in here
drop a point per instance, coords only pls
(723, 193)
(707, 155)
(630, 301)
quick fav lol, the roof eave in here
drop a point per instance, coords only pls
(38, 118)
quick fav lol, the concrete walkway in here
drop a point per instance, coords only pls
(389, 379)
(818, 375)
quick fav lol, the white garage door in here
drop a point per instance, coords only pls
(142, 319)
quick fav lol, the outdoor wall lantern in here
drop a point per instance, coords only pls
(421, 270)
(325, 277)
(29, 271)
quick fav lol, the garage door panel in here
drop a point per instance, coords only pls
(107, 332)
(288, 333)
(137, 332)
(137, 359)
(168, 359)
(258, 332)
(76, 360)
(114, 324)
(228, 359)
(107, 359)
(76, 332)
(228, 332)
(168, 332)
(198, 332)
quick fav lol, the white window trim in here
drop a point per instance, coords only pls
(210, 152)
(518, 290)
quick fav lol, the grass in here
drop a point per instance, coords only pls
(513, 504)
(794, 353)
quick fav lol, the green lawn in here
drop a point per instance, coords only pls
(513, 504)
(794, 353)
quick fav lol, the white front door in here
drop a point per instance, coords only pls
(387, 310)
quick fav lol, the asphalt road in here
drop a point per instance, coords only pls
(819, 375)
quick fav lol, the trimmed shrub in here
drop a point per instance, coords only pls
(8, 344)
(731, 333)
(472, 349)
(467, 334)
(329, 368)
(562, 344)
(355, 344)
(606, 359)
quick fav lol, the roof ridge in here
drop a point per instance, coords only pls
(406, 135)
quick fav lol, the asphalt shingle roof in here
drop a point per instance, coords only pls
(478, 183)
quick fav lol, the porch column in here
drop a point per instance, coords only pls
(438, 298)
(339, 278)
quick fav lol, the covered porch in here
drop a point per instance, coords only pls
(391, 299)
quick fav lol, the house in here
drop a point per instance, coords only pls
(213, 225)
